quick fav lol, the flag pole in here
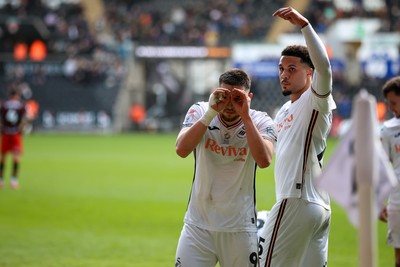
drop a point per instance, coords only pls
(366, 176)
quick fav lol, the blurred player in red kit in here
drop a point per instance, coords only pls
(12, 120)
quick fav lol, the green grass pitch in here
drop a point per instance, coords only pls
(119, 201)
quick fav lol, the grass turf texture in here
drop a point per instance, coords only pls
(97, 201)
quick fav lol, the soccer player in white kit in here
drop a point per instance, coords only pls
(229, 141)
(390, 137)
(297, 229)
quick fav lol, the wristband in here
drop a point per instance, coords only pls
(208, 116)
(210, 113)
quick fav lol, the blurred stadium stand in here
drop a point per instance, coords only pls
(105, 60)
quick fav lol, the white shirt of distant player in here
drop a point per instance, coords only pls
(292, 122)
(223, 189)
(390, 137)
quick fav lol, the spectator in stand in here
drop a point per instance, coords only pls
(209, 23)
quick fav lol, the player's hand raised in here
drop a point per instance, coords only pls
(219, 99)
(292, 15)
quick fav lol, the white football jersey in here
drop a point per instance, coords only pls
(223, 190)
(390, 137)
(302, 126)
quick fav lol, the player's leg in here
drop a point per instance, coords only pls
(285, 237)
(2, 157)
(393, 237)
(17, 150)
(3, 152)
(237, 249)
(397, 256)
(15, 169)
(195, 248)
(317, 253)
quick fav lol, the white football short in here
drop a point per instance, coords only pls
(295, 234)
(393, 231)
(198, 247)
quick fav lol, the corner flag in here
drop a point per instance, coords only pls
(339, 176)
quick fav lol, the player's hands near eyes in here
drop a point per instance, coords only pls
(219, 99)
(240, 101)
(217, 102)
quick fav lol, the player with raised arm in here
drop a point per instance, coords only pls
(229, 140)
(296, 232)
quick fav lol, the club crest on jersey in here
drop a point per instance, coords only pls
(241, 133)
(227, 136)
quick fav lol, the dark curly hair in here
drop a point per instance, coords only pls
(392, 85)
(300, 51)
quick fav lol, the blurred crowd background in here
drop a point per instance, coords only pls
(137, 65)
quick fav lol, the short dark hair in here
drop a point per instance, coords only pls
(235, 77)
(300, 51)
(392, 85)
